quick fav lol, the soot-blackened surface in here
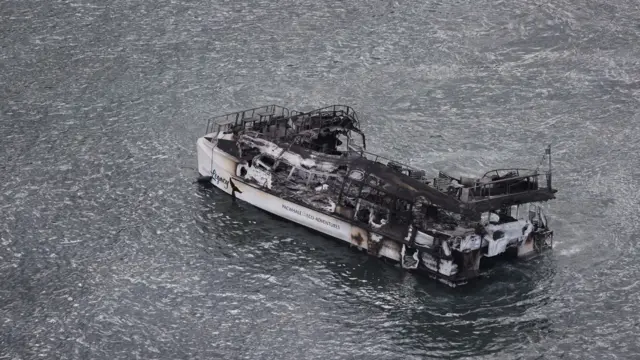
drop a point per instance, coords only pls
(109, 251)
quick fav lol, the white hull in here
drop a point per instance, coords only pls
(222, 168)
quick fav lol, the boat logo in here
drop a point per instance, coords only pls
(219, 179)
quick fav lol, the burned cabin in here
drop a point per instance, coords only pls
(323, 130)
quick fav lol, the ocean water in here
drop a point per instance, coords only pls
(109, 250)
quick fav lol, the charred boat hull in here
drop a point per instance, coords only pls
(292, 165)
(221, 169)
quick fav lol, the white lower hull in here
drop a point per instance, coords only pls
(222, 168)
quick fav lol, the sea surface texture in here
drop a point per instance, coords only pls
(109, 250)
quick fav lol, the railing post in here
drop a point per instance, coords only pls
(548, 151)
(342, 190)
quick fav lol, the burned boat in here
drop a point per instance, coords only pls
(313, 168)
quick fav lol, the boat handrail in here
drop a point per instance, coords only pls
(235, 118)
(382, 159)
(512, 186)
(517, 171)
(346, 109)
(533, 176)
(334, 110)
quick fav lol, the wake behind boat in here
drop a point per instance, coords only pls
(313, 168)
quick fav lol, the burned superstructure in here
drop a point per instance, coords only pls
(313, 168)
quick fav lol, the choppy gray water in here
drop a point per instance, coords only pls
(109, 251)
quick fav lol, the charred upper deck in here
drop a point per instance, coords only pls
(314, 134)
(495, 190)
(316, 130)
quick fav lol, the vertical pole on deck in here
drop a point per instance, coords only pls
(548, 153)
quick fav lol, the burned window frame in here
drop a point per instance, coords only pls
(370, 193)
(259, 161)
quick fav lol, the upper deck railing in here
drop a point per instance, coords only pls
(503, 172)
(524, 186)
(516, 184)
(343, 109)
(405, 169)
(321, 117)
(262, 113)
(302, 120)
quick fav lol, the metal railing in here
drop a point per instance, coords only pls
(227, 121)
(516, 171)
(262, 113)
(320, 117)
(411, 171)
(509, 186)
(345, 109)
